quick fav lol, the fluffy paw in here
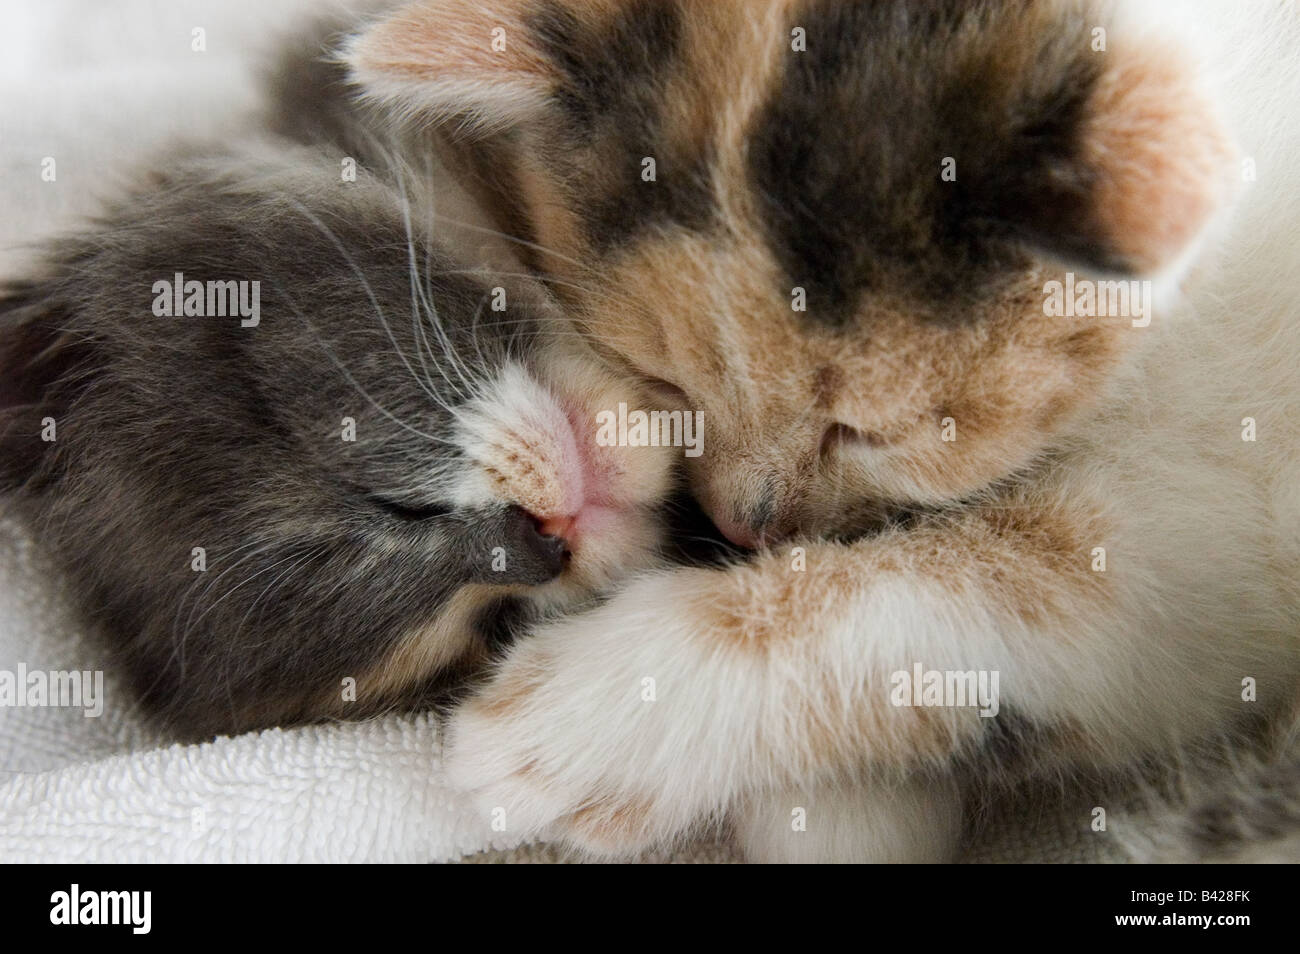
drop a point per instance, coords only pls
(571, 739)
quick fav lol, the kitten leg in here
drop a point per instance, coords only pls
(693, 688)
(917, 821)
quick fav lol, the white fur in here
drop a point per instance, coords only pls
(511, 410)
(534, 429)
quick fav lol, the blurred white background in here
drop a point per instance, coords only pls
(98, 85)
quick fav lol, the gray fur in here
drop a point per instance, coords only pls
(1243, 807)
(183, 432)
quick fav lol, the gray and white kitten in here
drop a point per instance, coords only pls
(329, 500)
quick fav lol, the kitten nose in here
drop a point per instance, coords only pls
(559, 527)
(550, 549)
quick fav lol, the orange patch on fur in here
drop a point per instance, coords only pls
(447, 638)
(1163, 154)
(508, 694)
(453, 41)
(1030, 560)
(612, 825)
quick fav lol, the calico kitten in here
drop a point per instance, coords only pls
(329, 500)
(833, 226)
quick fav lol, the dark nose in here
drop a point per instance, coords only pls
(551, 552)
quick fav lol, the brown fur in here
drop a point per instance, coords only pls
(512, 694)
(1155, 199)
(855, 414)
(424, 43)
(430, 649)
(1030, 562)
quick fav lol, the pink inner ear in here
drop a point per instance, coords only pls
(1164, 161)
(443, 56)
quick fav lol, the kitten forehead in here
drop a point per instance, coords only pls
(920, 153)
(919, 148)
(827, 152)
(846, 156)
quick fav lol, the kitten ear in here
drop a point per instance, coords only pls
(1151, 165)
(438, 58)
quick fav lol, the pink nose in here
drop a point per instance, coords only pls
(561, 527)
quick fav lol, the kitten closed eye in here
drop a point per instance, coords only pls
(410, 511)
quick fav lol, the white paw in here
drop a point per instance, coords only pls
(566, 742)
(509, 791)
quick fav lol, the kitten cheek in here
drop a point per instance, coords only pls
(613, 472)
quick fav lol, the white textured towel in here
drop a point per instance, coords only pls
(365, 792)
(103, 789)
